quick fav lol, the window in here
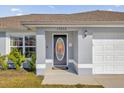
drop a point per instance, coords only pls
(30, 41)
(16, 42)
(25, 44)
(30, 44)
(29, 51)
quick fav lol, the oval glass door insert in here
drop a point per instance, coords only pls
(60, 49)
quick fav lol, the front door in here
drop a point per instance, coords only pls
(60, 50)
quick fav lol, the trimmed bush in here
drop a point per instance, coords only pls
(3, 62)
(17, 58)
(32, 62)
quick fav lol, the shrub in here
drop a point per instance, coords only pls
(17, 58)
(32, 62)
(3, 62)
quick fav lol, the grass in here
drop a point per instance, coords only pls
(19, 79)
(72, 86)
(24, 79)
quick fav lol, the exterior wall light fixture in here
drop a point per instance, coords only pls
(84, 34)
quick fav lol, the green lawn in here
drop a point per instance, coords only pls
(24, 79)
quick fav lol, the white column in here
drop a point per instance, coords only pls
(41, 52)
(3, 43)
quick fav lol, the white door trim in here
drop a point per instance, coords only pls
(53, 46)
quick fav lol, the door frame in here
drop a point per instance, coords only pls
(53, 48)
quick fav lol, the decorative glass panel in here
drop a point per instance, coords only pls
(60, 49)
(29, 51)
(30, 41)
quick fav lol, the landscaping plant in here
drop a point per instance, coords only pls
(17, 58)
(3, 62)
(32, 62)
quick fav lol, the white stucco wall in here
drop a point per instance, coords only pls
(84, 53)
(85, 49)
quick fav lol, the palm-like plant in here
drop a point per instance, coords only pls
(17, 58)
(32, 62)
(3, 62)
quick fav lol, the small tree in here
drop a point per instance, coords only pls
(3, 62)
(17, 58)
(32, 62)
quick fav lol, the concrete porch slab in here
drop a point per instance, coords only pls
(67, 77)
(69, 80)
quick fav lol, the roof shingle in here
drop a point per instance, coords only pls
(75, 18)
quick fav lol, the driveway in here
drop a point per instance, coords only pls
(110, 81)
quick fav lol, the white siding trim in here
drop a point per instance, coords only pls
(49, 60)
(85, 65)
(39, 66)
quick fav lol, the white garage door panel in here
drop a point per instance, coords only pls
(108, 56)
(98, 68)
(119, 58)
(108, 47)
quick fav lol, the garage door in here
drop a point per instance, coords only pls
(108, 54)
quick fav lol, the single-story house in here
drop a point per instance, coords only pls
(92, 41)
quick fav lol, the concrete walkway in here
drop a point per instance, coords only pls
(69, 77)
